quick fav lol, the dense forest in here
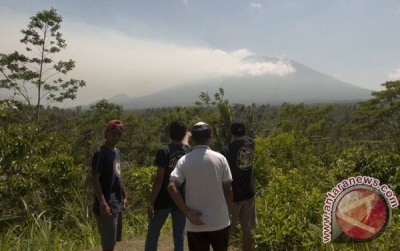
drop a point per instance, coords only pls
(302, 152)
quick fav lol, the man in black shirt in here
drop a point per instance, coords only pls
(161, 203)
(240, 156)
(110, 195)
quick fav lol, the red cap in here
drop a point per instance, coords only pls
(114, 123)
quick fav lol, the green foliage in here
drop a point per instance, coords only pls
(78, 220)
(217, 114)
(379, 117)
(142, 138)
(139, 182)
(105, 111)
(37, 231)
(286, 222)
(40, 170)
(362, 161)
(90, 126)
(302, 152)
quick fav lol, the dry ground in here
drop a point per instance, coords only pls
(138, 245)
(164, 244)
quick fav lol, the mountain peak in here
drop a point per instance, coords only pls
(302, 84)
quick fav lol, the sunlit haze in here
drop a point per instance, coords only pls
(138, 47)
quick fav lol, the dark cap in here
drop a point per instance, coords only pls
(238, 129)
(114, 123)
(201, 131)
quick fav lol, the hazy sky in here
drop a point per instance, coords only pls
(140, 46)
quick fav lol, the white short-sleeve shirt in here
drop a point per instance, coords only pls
(205, 171)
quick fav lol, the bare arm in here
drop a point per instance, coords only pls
(124, 196)
(228, 196)
(192, 215)
(185, 140)
(155, 190)
(177, 196)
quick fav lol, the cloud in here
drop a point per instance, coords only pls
(394, 75)
(255, 5)
(280, 68)
(112, 62)
(221, 63)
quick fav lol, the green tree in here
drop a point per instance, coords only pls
(217, 114)
(37, 70)
(87, 129)
(309, 127)
(378, 119)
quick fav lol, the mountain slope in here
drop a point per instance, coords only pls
(304, 85)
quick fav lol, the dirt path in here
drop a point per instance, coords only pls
(138, 245)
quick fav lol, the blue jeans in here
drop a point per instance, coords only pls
(155, 225)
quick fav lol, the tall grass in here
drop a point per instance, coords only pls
(76, 230)
(36, 232)
(79, 223)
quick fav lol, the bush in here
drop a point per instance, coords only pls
(36, 168)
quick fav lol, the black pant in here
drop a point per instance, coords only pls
(201, 241)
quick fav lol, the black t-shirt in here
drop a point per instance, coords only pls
(240, 156)
(167, 157)
(108, 164)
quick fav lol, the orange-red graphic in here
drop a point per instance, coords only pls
(361, 213)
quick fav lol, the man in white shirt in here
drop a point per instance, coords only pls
(208, 197)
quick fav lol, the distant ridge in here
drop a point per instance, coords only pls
(305, 85)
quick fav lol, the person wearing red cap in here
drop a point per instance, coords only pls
(110, 195)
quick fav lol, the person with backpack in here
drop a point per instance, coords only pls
(109, 190)
(240, 156)
(161, 204)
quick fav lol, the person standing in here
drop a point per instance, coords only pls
(208, 195)
(161, 203)
(240, 156)
(109, 190)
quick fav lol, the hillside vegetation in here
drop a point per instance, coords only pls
(302, 152)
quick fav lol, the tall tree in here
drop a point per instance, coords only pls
(21, 73)
(379, 118)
